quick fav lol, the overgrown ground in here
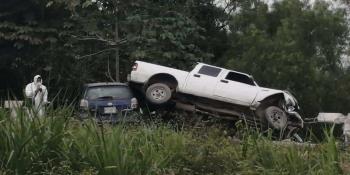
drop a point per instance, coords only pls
(58, 144)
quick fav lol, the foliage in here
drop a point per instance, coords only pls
(57, 144)
(162, 32)
(293, 45)
(34, 41)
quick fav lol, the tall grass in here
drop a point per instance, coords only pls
(122, 150)
(59, 144)
(31, 144)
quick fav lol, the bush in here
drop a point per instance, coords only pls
(59, 144)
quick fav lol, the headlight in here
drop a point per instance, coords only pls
(290, 100)
(290, 108)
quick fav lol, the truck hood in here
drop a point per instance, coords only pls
(266, 92)
(288, 97)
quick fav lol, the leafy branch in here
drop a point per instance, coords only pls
(101, 39)
(95, 53)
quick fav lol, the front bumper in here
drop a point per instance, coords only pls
(299, 122)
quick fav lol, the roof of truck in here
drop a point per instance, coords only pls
(205, 65)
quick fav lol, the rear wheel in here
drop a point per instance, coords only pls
(158, 93)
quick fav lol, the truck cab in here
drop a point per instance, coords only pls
(222, 84)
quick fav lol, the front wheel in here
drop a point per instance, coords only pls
(158, 93)
(276, 117)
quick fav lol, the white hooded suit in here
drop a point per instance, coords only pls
(38, 98)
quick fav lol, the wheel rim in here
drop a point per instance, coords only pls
(158, 94)
(276, 117)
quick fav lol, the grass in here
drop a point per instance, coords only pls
(59, 144)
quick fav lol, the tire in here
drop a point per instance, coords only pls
(276, 118)
(158, 93)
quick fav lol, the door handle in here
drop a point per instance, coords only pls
(224, 81)
(196, 75)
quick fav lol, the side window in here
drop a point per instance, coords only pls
(233, 76)
(210, 71)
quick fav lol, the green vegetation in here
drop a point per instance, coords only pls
(58, 144)
(290, 44)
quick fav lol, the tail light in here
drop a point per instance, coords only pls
(134, 103)
(134, 67)
(84, 104)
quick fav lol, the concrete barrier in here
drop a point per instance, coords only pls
(13, 106)
(337, 118)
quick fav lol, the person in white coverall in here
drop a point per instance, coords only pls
(37, 94)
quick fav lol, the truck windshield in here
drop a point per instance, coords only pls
(115, 92)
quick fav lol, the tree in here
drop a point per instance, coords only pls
(76, 40)
(292, 46)
(161, 32)
(29, 35)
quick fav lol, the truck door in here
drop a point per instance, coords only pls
(202, 81)
(237, 88)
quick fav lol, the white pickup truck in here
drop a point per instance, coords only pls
(218, 91)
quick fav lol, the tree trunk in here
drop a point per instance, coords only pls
(117, 60)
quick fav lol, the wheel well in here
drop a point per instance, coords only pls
(273, 100)
(164, 78)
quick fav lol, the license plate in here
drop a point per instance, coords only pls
(110, 110)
